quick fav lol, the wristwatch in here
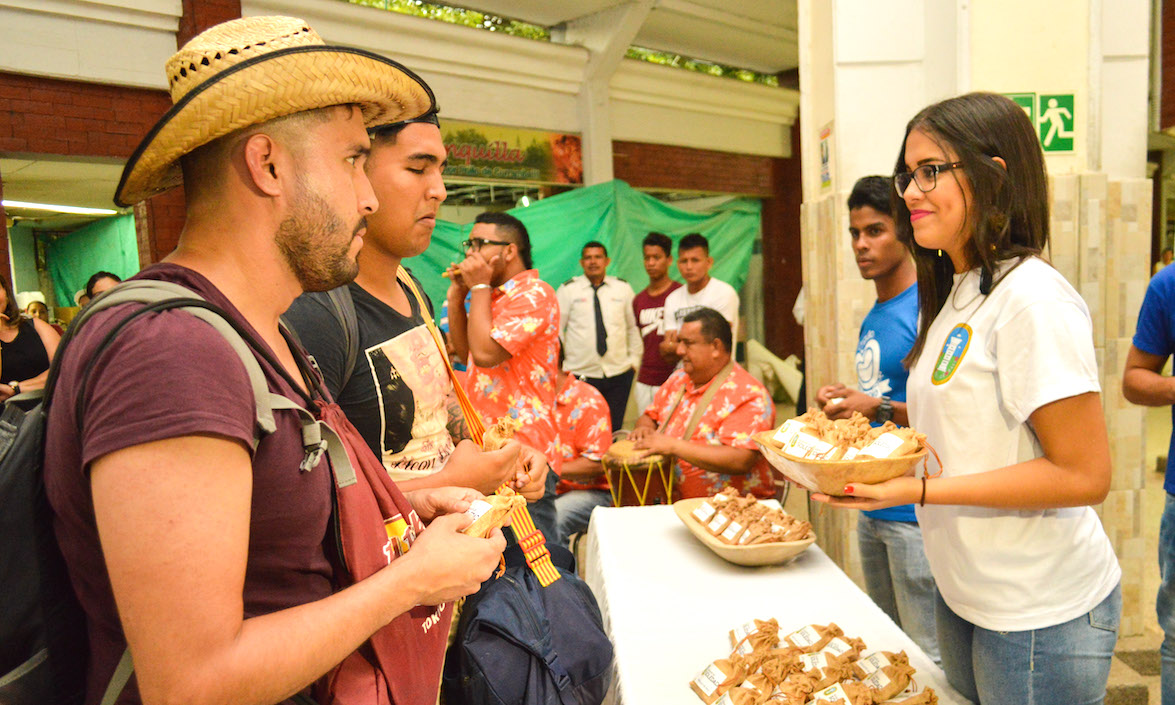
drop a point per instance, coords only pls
(884, 412)
(15, 387)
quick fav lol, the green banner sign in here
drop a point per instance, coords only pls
(494, 153)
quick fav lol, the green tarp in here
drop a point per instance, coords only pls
(107, 245)
(615, 214)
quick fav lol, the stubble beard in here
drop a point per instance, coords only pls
(310, 241)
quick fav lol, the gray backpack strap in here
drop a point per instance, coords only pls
(118, 681)
(343, 306)
(148, 291)
(319, 435)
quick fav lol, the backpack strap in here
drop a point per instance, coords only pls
(343, 307)
(118, 681)
(148, 291)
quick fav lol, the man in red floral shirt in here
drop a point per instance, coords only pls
(511, 338)
(585, 433)
(718, 452)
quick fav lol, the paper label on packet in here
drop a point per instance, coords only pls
(832, 694)
(743, 631)
(850, 453)
(812, 662)
(732, 530)
(789, 428)
(804, 637)
(803, 445)
(724, 700)
(877, 680)
(872, 662)
(745, 648)
(717, 522)
(837, 646)
(704, 512)
(709, 679)
(476, 508)
(884, 446)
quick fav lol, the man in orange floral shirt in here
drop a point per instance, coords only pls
(719, 452)
(511, 338)
(585, 432)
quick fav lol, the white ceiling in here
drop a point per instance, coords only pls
(89, 184)
(754, 34)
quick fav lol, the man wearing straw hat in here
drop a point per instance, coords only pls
(207, 556)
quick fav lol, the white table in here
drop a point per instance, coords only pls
(668, 603)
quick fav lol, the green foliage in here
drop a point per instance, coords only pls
(701, 66)
(460, 16)
(516, 28)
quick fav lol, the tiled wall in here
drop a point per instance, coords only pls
(1100, 241)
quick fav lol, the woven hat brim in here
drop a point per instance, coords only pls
(264, 88)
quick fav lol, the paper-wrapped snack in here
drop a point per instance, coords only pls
(491, 513)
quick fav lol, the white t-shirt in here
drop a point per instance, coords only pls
(988, 363)
(717, 295)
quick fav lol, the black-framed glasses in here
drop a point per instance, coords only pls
(926, 176)
(477, 243)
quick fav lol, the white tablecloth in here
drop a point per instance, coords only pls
(668, 603)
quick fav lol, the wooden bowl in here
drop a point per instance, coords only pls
(759, 554)
(831, 476)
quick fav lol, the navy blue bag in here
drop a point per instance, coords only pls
(518, 642)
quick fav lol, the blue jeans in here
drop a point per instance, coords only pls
(1065, 664)
(1165, 604)
(574, 510)
(898, 577)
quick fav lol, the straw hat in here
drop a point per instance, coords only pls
(252, 70)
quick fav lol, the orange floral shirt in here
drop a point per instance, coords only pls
(740, 408)
(585, 429)
(526, 324)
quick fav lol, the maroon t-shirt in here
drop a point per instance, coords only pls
(168, 374)
(650, 318)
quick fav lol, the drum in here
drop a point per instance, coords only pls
(636, 479)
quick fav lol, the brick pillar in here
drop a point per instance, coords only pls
(5, 257)
(199, 15)
(158, 222)
(782, 254)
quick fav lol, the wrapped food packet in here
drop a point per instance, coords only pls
(706, 510)
(805, 445)
(779, 664)
(793, 530)
(709, 684)
(849, 693)
(877, 659)
(793, 692)
(813, 637)
(789, 429)
(742, 519)
(926, 697)
(739, 696)
(838, 653)
(760, 684)
(728, 511)
(893, 444)
(888, 681)
(491, 513)
(496, 436)
(758, 634)
(825, 676)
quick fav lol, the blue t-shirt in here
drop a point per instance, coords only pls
(887, 334)
(1156, 335)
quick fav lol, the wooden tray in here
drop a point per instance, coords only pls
(831, 476)
(759, 554)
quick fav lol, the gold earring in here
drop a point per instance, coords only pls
(940, 253)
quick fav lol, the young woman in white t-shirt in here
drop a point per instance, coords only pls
(1004, 384)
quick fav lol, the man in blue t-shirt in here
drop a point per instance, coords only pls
(1144, 383)
(897, 575)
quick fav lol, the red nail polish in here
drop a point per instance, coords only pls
(848, 489)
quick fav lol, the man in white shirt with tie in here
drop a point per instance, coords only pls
(601, 341)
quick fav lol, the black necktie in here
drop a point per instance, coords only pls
(601, 334)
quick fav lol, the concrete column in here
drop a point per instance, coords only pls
(606, 35)
(857, 93)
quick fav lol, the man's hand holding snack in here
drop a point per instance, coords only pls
(433, 502)
(476, 269)
(530, 479)
(839, 402)
(447, 564)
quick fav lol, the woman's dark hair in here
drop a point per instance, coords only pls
(514, 227)
(96, 277)
(1008, 208)
(11, 310)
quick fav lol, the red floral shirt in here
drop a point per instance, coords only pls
(740, 408)
(585, 429)
(526, 324)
